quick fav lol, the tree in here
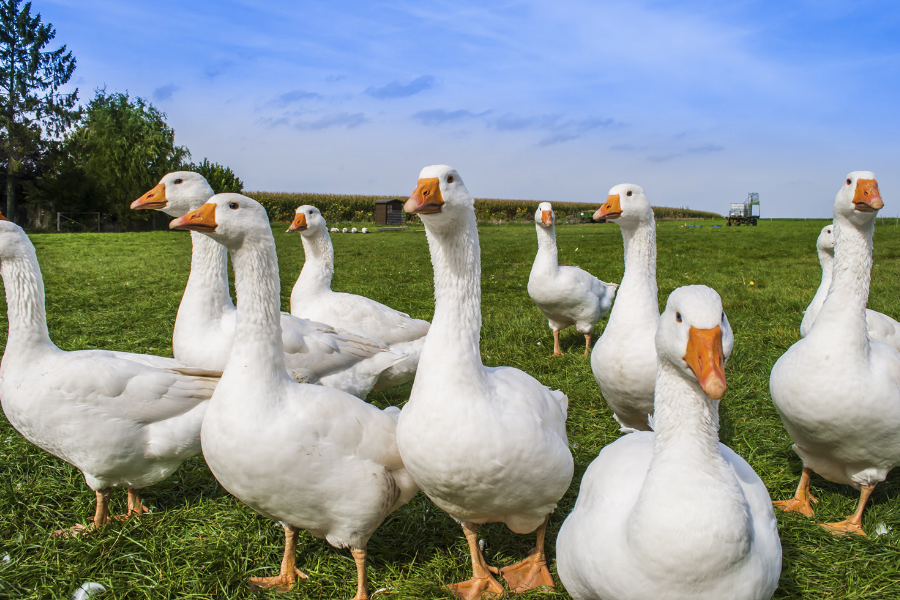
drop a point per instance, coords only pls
(31, 106)
(221, 178)
(124, 146)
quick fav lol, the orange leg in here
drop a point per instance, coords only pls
(587, 344)
(482, 584)
(556, 349)
(100, 518)
(530, 573)
(801, 501)
(362, 583)
(135, 506)
(285, 580)
(853, 523)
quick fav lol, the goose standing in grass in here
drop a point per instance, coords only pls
(566, 295)
(204, 327)
(485, 444)
(673, 513)
(122, 419)
(624, 358)
(836, 390)
(311, 457)
(881, 327)
(313, 298)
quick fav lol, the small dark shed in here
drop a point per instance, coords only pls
(388, 211)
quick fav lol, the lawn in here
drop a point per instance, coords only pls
(121, 292)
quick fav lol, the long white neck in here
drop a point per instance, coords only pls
(318, 267)
(826, 259)
(257, 351)
(843, 316)
(636, 298)
(689, 479)
(25, 304)
(456, 329)
(547, 259)
(207, 287)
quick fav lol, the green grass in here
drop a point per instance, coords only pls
(121, 291)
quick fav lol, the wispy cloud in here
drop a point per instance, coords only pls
(395, 89)
(439, 116)
(164, 92)
(288, 98)
(704, 149)
(560, 129)
(343, 119)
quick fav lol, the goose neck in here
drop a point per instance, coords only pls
(456, 257)
(685, 419)
(318, 266)
(547, 250)
(207, 286)
(25, 302)
(637, 294)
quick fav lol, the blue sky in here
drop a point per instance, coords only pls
(698, 102)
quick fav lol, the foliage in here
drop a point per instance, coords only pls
(200, 542)
(358, 208)
(221, 178)
(30, 77)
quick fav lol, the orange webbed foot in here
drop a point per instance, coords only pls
(844, 527)
(280, 584)
(528, 574)
(477, 588)
(797, 504)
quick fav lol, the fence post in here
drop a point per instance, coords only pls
(57, 222)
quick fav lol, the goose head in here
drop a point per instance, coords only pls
(230, 219)
(14, 242)
(308, 221)
(825, 241)
(695, 337)
(858, 200)
(176, 194)
(544, 215)
(627, 204)
(440, 198)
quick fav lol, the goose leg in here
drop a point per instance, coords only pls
(135, 506)
(362, 583)
(556, 349)
(801, 501)
(285, 580)
(853, 523)
(101, 516)
(530, 573)
(587, 344)
(482, 584)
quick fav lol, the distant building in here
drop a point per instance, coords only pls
(388, 211)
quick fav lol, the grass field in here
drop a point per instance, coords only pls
(121, 291)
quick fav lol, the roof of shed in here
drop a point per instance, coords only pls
(387, 200)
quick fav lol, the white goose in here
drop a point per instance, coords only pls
(122, 419)
(566, 295)
(837, 391)
(485, 444)
(673, 513)
(313, 298)
(624, 358)
(881, 327)
(312, 457)
(204, 327)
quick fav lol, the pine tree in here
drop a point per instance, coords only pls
(31, 107)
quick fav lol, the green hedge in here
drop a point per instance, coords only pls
(359, 209)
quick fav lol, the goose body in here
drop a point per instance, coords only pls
(881, 327)
(485, 444)
(313, 298)
(674, 514)
(122, 419)
(204, 327)
(312, 457)
(836, 390)
(565, 295)
(624, 358)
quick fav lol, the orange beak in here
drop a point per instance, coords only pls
(202, 219)
(611, 210)
(299, 223)
(2, 218)
(155, 198)
(706, 359)
(426, 198)
(866, 198)
(547, 217)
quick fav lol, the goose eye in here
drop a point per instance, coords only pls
(177, 181)
(449, 178)
(233, 205)
(628, 193)
(723, 316)
(849, 181)
(678, 317)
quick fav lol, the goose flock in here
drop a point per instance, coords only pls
(275, 401)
